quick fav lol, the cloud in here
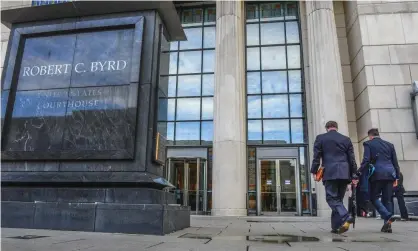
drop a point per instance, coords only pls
(194, 39)
(188, 85)
(190, 62)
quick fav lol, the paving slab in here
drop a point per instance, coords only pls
(225, 233)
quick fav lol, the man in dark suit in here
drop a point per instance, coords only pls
(338, 161)
(382, 155)
(399, 192)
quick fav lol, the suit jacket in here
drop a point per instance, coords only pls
(384, 155)
(337, 154)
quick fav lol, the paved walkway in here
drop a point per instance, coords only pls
(226, 233)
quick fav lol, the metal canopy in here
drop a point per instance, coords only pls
(166, 10)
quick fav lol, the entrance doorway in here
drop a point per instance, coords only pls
(190, 177)
(278, 187)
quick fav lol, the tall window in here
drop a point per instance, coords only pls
(187, 81)
(274, 78)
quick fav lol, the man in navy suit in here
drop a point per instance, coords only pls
(382, 155)
(340, 168)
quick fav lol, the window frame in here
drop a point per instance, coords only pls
(302, 92)
(202, 49)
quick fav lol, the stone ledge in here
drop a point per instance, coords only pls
(93, 217)
(117, 195)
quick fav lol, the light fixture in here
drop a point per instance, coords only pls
(414, 104)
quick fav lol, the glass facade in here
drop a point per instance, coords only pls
(187, 81)
(275, 102)
(275, 108)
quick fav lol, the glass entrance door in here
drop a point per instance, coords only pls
(278, 189)
(190, 178)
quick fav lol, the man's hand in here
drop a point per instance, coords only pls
(355, 179)
(314, 177)
(395, 183)
(354, 182)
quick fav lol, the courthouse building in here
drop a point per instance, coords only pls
(243, 89)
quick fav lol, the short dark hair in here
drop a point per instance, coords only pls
(331, 124)
(373, 132)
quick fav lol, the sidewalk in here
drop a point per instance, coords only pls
(225, 233)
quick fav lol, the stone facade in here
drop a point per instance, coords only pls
(383, 52)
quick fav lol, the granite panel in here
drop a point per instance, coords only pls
(101, 118)
(22, 194)
(62, 24)
(94, 122)
(29, 166)
(53, 194)
(99, 217)
(10, 61)
(143, 130)
(137, 50)
(412, 205)
(176, 218)
(129, 218)
(89, 22)
(135, 196)
(171, 198)
(147, 55)
(79, 195)
(17, 214)
(38, 121)
(65, 216)
(103, 58)
(87, 195)
(47, 62)
(98, 166)
(4, 99)
(91, 76)
(139, 178)
(153, 102)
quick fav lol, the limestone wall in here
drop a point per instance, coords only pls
(383, 52)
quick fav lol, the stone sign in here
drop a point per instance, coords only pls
(74, 98)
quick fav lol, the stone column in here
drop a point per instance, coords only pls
(229, 145)
(327, 88)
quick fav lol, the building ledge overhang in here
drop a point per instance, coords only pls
(166, 10)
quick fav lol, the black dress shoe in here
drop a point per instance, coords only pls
(334, 231)
(388, 230)
(388, 225)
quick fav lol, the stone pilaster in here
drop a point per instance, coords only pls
(327, 86)
(229, 146)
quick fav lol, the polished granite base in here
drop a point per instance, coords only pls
(121, 210)
(411, 203)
